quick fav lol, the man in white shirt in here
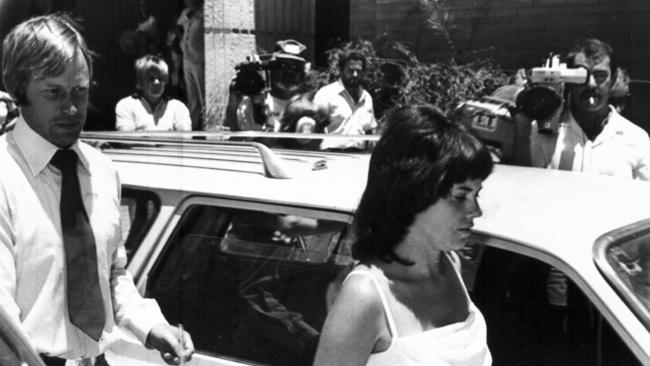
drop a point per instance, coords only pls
(349, 106)
(149, 109)
(48, 229)
(592, 136)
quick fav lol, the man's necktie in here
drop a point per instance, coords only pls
(85, 304)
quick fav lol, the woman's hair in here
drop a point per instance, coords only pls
(418, 159)
(147, 63)
(40, 47)
(302, 105)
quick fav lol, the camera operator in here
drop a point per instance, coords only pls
(591, 135)
(262, 89)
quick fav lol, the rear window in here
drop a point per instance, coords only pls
(624, 258)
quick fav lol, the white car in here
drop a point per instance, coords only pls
(246, 247)
(15, 349)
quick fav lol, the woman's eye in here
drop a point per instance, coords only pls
(51, 92)
(459, 198)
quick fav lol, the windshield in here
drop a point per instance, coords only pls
(624, 258)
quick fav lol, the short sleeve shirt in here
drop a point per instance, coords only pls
(346, 116)
(622, 149)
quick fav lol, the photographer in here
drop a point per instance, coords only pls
(262, 89)
(591, 135)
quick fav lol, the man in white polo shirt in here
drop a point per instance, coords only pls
(349, 106)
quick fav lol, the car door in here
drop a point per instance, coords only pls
(535, 313)
(250, 281)
(15, 349)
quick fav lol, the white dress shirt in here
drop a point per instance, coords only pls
(134, 113)
(32, 263)
(346, 116)
(622, 149)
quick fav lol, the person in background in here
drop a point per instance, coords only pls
(191, 25)
(620, 95)
(63, 264)
(405, 302)
(349, 106)
(148, 108)
(302, 115)
(257, 104)
(592, 136)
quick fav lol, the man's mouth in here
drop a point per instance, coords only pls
(590, 98)
(465, 230)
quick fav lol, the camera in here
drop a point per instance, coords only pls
(253, 75)
(544, 91)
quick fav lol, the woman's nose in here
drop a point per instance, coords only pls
(474, 209)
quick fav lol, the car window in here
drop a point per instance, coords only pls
(138, 210)
(526, 325)
(624, 258)
(251, 285)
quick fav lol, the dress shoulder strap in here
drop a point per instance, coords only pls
(382, 296)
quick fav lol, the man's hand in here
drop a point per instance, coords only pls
(173, 345)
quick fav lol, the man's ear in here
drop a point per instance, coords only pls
(20, 98)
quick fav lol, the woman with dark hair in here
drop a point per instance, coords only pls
(302, 115)
(405, 302)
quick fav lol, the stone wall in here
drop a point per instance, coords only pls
(229, 38)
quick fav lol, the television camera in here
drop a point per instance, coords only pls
(539, 98)
(543, 94)
(254, 75)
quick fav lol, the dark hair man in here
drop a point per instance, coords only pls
(592, 136)
(349, 106)
(63, 264)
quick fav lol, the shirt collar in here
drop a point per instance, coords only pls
(36, 150)
(609, 127)
(342, 91)
(161, 105)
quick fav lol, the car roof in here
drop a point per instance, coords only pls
(559, 212)
(318, 179)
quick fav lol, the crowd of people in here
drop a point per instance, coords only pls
(59, 214)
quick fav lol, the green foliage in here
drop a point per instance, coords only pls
(394, 77)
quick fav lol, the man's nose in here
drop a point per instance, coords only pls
(591, 81)
(69, 108)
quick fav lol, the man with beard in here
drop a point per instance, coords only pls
(348, 104)
(592, 136)
(62, 258)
